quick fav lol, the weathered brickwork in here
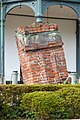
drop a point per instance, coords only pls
(41, 62)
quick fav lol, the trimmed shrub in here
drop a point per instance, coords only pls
(72, 101)
(46, 102)
(62, 104)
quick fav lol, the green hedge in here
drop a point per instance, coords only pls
(64, 103)
(37, 102)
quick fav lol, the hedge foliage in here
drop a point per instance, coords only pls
(40, 102)
(64, 103)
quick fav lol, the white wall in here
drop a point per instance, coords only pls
(67, 29)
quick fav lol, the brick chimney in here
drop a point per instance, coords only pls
(41, 54)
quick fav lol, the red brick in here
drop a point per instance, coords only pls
(46, 65)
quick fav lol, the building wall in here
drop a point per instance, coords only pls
(67, 29)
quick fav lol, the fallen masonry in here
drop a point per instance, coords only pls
(41, 54)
